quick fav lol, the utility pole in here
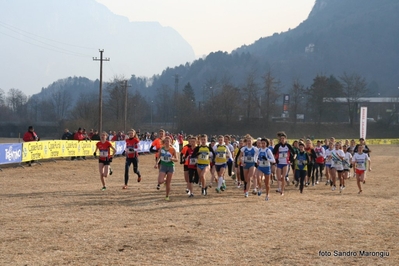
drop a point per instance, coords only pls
(125, 120)
(100, 98)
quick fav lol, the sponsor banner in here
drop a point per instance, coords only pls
(33, 150)
(363, 122)
(119, 146)
(10, 153)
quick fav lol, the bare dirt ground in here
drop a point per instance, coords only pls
(56, 214)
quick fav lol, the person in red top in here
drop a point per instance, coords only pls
(157, 143)
(79, 135)
(180, 139)
(190, 164)
(30, 135)
(105, 158)
(131, 153)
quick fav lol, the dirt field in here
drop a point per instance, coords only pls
(55, 214)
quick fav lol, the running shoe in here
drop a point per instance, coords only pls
(210, 185)
(296, 184)
(340, 189)
(233, 176)
(267, 198)
(217, 190)
(274, 177)
(187, 191)
(293, 182)
(364, 181)
(191, 195)
(278, 190)
(124, 187)
(110, 171)
(199, 184)
(104, 188)
(327, 182)
(259, 193)
(223, 186)
(254, 192)
(317, 182)
(360, 192)
(333, 188)
(239, 185)
(158, 187)
(139, 178)
(312, 184)
(287, 179)
(246, 194)
(167, 198)
(206, 191)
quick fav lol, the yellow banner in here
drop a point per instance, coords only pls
(33, 150)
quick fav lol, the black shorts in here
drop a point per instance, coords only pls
(107, 162)
(185, 168)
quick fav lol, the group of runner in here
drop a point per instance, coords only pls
(250, 162)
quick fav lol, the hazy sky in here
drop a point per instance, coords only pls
(213, 25)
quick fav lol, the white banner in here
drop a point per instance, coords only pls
(363, 122)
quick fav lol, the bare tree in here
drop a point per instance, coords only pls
(250, 93)
(61, 100)
(271, 88)
(353, 88)
(297, 98)
(16, 101)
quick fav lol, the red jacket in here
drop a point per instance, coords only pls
(30, 136)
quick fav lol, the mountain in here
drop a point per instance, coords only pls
(43, 41)
(339, 35)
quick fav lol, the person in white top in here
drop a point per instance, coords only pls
(265, 159)
(347, 162)
(328, 162)
(338, 156)
(361, 162)
(249, 157)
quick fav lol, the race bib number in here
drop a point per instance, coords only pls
(221, 155)
(165, 158)
(204, 156)
(103, 153)
(360, 165)
(130, 150)
(282, 155)
(193, 161)
(248, 159)
(264, 163)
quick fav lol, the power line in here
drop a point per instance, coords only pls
(7, 26)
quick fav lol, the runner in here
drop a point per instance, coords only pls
(361, 161)
(328, 162)
(301, 166)
(319, 162)
(337, 166)
(132, 156)
(249, 156)
(312, 158)
(222, 155)
(347, 162)
(238, 163)
(365, 150)
(191, 164)
(105, 158)
(186, 151)
(265, 159)
(166, 164)
(283, 152)
(203, 155)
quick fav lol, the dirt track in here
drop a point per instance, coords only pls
(56, 214)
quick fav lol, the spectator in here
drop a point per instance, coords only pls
(95, 136)
(79, 136)
(91, 133)
(67, 135)
(30, 135)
